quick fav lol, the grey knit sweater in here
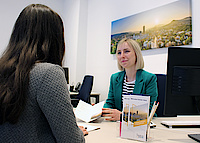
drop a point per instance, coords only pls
(48, 116)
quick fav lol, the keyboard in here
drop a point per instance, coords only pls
(190, 124)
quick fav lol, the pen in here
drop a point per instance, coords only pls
(153, 110)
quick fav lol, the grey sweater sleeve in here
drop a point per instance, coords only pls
(54, 101)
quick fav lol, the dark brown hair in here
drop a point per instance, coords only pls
(37, 36)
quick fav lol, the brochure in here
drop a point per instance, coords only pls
(135, 117)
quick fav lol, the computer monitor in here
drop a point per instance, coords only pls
(183, 82)
(66, 69)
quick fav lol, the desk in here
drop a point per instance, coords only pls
(108, 132)
(92, 94)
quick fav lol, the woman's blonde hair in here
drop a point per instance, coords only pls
(136, 47)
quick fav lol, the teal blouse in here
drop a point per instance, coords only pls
(146, 83)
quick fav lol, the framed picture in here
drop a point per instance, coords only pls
(168, 25)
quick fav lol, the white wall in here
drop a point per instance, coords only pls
(71, 20)
(9, 11)
(87, 34)
(71, 11)
(74, 15)
(100, 14)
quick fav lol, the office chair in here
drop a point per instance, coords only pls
(85, 90)
(161, 83)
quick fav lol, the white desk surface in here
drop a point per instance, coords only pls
(108, 132)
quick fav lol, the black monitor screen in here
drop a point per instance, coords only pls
(183, 82)
(66, 69)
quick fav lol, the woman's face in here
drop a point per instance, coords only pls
(126, 56)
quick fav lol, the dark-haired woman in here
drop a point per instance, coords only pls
(34, 99)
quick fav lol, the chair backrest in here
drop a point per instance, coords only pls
(86, 88)
(161, 83)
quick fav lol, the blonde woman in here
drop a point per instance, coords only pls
(131, 79)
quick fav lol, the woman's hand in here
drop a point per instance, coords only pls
(85, 132)
(114, 114)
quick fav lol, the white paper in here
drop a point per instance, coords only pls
(87, 112)
(89, 127)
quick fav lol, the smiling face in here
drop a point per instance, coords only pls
(126, 56)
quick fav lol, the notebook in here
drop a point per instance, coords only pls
(184, 124)
(89, 127)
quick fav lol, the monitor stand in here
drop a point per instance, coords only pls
(195, 137)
